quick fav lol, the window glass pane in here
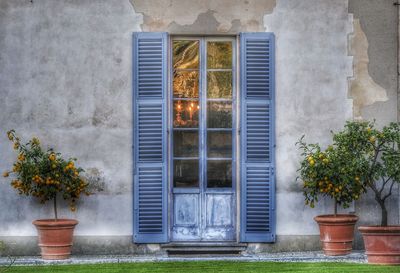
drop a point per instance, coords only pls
(219, 173)
(186, 84)
(186, 143)
(219, 114)
(219, 144)
(219, 55)
(186, 114)
(219, 84)
(186, 173)
(185, 54)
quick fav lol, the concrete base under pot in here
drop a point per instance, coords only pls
(336, 233)
(382, 244)
(55, 237)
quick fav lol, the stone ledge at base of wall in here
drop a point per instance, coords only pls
(122, 245)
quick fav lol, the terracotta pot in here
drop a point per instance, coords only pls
(336, 233)
(55, 237)
(382, 244)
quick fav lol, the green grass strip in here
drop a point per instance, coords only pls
(208, 267)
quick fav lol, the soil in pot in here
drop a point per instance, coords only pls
(55, 237)
(336, 233)
(382, 244)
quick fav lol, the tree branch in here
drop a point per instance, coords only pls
(375, 190)
(384, 184)
(390, 191)
(377, 150)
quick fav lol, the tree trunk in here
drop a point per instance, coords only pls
(55, 208)
(335, 212)
(384, 213)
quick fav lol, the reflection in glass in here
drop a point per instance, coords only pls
(219, 84)
(219, 174)
(186, 84)
(186, 114)
(219, 144)
(185, 54)
(186, 173)
(219, 55)
(186, 143)
(219, 114)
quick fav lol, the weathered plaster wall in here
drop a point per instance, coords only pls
(206, 16)
(65, 76)
(375, 71)
(374, 87)
(312, 66)
(363, 89)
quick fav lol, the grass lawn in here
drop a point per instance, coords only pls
(208, 266)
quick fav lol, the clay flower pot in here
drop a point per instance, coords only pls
(55, 237)
(382, 244)
(336, 233)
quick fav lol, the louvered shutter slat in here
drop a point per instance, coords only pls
(257, 127)
(149, 81)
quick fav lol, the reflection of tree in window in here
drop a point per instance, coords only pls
(219, 55)
(186, 84)
(219, 84)
(186, 64)
(186, 54)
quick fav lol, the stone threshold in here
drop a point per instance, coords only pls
(312, 256)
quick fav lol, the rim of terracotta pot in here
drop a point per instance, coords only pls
(338, 218)
(379, 229)
(54, 223)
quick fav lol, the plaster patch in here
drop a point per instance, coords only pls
(153, 247)
(96, 180)
(363, 89)
(160, 14)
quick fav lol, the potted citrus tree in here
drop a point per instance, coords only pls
(46, 176)
(377, 151)
(331, 173)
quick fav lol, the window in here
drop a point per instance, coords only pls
(203, 199)
(202, 132)
(202, 118)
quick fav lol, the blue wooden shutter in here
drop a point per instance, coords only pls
(257, 137)
(150, 137)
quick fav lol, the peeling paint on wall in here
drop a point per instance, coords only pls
(363, 89)
(159, 15)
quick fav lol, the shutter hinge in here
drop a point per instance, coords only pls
(272, 171)
(239, 131)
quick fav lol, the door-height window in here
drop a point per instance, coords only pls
(203, 139)
(186, 108)
(185, 141)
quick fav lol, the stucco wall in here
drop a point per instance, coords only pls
(377, 74)
(65, 76)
